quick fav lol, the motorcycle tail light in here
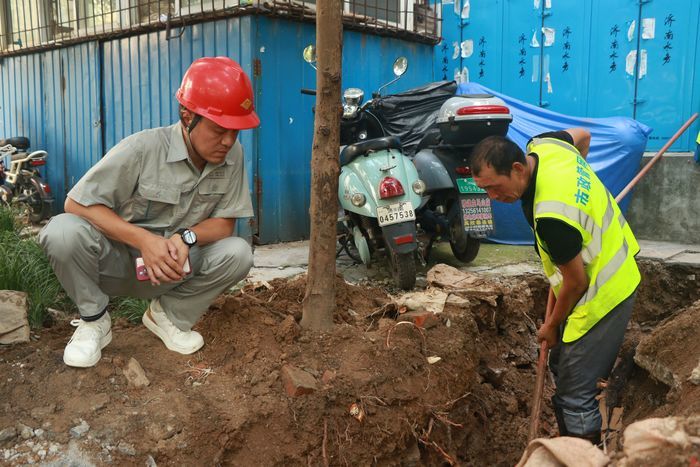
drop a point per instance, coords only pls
(37, 162)
(390, 187)
(483, 109)
(466, 171)
(46, 188)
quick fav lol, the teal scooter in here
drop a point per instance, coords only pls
(379, 189)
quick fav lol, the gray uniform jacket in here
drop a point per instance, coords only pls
(149, 181)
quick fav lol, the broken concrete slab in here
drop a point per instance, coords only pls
(432, 300)
(660, 250)
(664, 353)
(687, 258)
(463, 283)
(14, 326)
(291, 254)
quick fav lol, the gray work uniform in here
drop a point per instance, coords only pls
(148, 180)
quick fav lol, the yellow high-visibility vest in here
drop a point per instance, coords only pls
(567, 189)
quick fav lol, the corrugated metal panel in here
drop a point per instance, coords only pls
(286, 132)
(611, 88)
(695, 107)
(72, 114)
(583, 72)
(664, 94)
(142, 74)
(21, 103)
(472, 45)
(565, 78)
(521, 22)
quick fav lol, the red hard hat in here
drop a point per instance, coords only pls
(217, 88)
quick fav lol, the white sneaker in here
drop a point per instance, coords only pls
(184, 342)
(85, 347)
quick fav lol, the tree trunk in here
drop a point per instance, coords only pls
(319, 300)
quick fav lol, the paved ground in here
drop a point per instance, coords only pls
(290, 259)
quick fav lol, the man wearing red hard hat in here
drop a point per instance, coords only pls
(154, 218)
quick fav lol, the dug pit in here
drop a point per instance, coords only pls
(382, 387)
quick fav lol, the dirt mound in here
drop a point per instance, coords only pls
(666, 378)
(370, 394)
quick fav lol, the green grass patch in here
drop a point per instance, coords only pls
(24, 267)
(128, 307)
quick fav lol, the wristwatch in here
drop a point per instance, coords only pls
(188, 237)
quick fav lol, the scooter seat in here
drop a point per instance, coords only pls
(351, 151)
(20, 142)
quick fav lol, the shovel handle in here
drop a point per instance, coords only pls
(654, 159)
(541, 371)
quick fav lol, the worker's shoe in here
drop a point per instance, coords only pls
(184, 342)
(85, 347)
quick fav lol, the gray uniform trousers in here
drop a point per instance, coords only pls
(578, 365)
(91, 268)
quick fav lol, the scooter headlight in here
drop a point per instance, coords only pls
(353, 96)
(418, 187)
(358, 199)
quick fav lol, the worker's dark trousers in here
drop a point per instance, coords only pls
(578, 365)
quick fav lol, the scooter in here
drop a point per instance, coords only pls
(378, 189)
(453, 208)
(23, 183)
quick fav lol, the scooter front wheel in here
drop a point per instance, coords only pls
(38, 208)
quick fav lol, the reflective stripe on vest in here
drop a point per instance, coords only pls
(608, 246)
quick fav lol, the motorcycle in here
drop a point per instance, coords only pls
(442, 129)
(23, 183)
(379, 189)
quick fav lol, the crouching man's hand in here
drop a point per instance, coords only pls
(163, 258)
(182, 251)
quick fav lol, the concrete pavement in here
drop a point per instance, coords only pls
(289, 259)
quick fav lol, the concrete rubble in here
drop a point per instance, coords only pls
(14, 326)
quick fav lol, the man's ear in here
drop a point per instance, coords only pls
(518, 168)
(186, 115)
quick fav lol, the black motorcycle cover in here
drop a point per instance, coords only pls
(410, 114)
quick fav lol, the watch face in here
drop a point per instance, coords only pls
(189, 237)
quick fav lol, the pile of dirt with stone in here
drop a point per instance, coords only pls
(387, 384)
(391, 383)
(657, 377)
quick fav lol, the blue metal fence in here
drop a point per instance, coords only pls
(285, 136)
(589, 66)
(78, 102)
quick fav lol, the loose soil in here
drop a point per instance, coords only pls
(227, 403)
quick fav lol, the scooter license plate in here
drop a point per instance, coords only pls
(468, 185)
(395, 213)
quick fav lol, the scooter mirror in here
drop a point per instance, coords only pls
(310, 54)
(400, 66)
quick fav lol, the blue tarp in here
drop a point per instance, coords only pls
(617, 145)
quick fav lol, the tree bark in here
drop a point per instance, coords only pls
(319, 300)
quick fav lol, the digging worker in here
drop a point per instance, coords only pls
(170, 196)
(587, 251)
